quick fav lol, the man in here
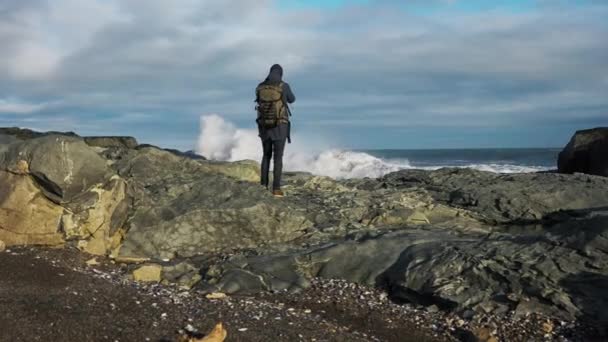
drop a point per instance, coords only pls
(272, 97)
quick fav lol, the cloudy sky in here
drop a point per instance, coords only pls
(367, 74)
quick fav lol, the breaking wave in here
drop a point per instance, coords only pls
(221, 140)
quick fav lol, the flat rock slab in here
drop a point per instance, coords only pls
(504, 198)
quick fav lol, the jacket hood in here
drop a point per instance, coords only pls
(276, 74)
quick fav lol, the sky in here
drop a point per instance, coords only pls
(366, 73)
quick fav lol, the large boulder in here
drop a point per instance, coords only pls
(56, 188)
(63, 166)
(184, 207)
(587, 152)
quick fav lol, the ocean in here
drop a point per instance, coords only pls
(501, 160)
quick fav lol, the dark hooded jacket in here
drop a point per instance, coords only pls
(275, 76)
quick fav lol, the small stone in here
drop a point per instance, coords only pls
(148, 273)
(468, 314)
(548, 327)
(242, 329)
(2, 246)
(218, 334)
(216, 295)
(482, 334)
(92, 262)
(433, 308)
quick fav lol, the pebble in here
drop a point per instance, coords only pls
(468, 314)
(433, 308)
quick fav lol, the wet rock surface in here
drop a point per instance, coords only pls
(455, 241)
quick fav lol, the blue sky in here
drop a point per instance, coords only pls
(367, 74)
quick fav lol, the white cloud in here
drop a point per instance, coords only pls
(32, 61)
(17, 107)
(37, 35)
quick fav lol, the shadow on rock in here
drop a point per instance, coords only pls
(589, 292)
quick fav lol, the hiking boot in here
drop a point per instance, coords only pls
(278, 193)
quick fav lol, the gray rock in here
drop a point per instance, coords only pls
(63, 166)
(124, 142)
(505, 198)
(587, 152)
(183, 274)
(26, 134)
(183, 208)
(456, 271)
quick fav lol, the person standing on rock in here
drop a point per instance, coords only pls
(272, 97)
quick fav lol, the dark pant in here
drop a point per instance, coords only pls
(271, 147)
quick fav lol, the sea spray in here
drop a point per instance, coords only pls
(221, 140)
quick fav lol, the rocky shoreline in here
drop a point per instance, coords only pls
(466, 244)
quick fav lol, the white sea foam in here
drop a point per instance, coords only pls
(221, 140)
(491, 167)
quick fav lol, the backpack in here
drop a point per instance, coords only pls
(271, 109)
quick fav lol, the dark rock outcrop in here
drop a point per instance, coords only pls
(587, 152)
(497, 272)
(26, 134)
(125, 142)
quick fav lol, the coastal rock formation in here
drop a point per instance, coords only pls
(504, 198)
(183, 207)
(458, 239)
(587, 152)
(62, 166)
(56, 188)
(496, 272)
(27, 217)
